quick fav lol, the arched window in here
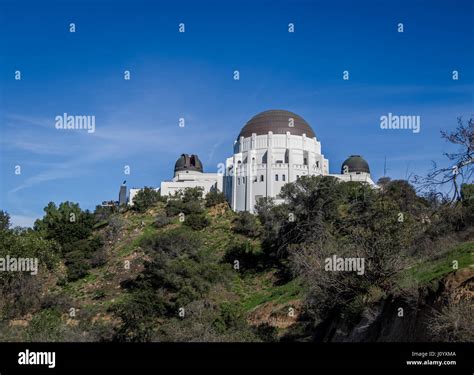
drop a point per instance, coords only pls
(276, 177)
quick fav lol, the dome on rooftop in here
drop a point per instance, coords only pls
(278, 122)
(188, 163)
(355, 164)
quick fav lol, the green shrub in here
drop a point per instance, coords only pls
(248, 255)
(77, 265)
(81, 256)
(161, 221)
(196, 221)
(45, 326)
(231, 317)
(175, 206)
(214, 198)
(146, 198)
(247, 224)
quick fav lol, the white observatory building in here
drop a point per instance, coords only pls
(276, 147)
(273, 148)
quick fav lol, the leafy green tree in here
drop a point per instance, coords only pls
(145, 199)
(102, 213)
(192, 194)
(66, 223)
(187, 202)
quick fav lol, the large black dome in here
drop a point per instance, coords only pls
(278, 122)
(354, 164)
(188, 163)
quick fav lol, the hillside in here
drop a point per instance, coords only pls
(264, 296)
(159, 277)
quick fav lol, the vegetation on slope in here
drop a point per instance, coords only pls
(190, 269)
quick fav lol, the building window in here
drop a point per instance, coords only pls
(297, 176)
(261, 178)
(276, 177)
(283, 177)
(317, 164)
(243, 180)
(238, 181)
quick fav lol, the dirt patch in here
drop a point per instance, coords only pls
(276, 315)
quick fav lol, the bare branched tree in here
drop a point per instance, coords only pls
(460, 170)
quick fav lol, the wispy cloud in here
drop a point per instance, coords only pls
(78, 151)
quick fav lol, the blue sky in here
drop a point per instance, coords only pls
(190, 75)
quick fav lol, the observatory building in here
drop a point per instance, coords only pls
(272, 149)
(189, 173)
(276, 147)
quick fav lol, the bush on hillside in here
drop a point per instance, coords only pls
(196, 221)
(213, 198)
(247, 224)
(161, 221)
(146, 198)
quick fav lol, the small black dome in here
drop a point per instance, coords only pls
(278, 122)
(354, 164)
(188, 163)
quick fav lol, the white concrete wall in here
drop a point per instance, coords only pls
(354, 176)
(192, 179)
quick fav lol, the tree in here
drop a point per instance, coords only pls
(461, 168)
(324, 217)
(66, 223)
(192, 194)
(187, 202)
(145, 199)
(4, 221)
(102, 213)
